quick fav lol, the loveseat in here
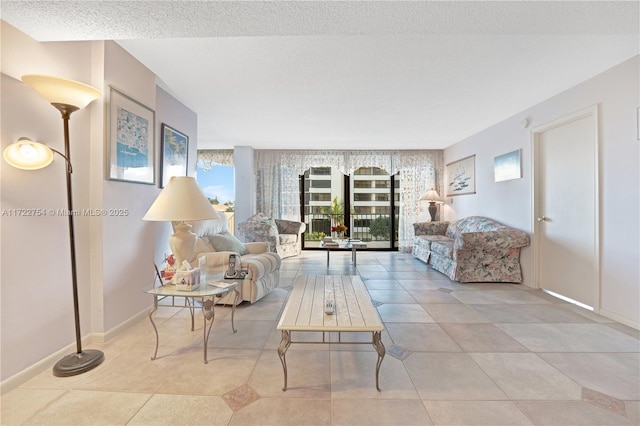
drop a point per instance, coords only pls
(215, 243)
(473, 249)
(283, 236)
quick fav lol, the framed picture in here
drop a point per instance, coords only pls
(175, 146)
(461, 177)
(131, 140)
(507, 166)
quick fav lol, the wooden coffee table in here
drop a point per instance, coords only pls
(353, 312)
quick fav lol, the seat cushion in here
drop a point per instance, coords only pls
(426, 240)
(443, 248)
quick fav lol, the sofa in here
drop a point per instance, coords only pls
(472, 249)
(283, 236)
(214, 244)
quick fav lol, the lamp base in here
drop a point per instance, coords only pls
(433, 210)
(78, 363)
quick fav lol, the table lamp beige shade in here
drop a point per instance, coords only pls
(181, 200)
(432, 197)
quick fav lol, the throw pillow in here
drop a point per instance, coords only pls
(269, 221)
(225, 241)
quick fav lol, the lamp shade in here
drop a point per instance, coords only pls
(28, 155)
(431, 195)
(58, 90)
(182, 199)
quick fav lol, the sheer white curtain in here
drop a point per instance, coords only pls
(278, 179)
(207, 158)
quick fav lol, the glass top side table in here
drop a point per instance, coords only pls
(205, 296)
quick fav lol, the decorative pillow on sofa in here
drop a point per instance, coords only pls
(225, 241)
(269, 221)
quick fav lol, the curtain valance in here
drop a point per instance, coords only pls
(207, 158)
(348, 161)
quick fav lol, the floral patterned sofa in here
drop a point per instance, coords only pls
(284, 236)
(473, 249)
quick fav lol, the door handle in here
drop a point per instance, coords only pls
(543, 219)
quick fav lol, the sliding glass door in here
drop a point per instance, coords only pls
(366, 203)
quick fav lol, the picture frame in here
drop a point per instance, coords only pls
(174, 153)
(461, 176)
(507, 166)
(131, 139)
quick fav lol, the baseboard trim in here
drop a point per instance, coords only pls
(49, 361)
(620, 319)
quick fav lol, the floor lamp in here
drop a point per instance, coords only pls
(66, 96)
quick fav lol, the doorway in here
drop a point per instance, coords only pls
(565, 207)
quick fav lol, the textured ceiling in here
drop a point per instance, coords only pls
(359, 75)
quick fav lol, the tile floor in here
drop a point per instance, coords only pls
(457, 354)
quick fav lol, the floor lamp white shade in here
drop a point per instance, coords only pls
(181, 200)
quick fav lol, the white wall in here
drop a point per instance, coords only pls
(616, 92)
(37, 306)
(115, 253)
(245, 203)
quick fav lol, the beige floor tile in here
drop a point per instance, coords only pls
(418, 285)
(284, 411)
(482, 338)
(226, 370)
(528, 377)
(432, 296)
(349, 412)
(21, 404)
(80, 407)
(308, 375)
(403, 312)
(260, 311)
(490, 413)
(133, 370)
(353, 377)
(563, 413)
(392, 296)
(249, 335)
(614, 374)
(462, 372)
(383, 285)
(451, 376)
(421, 337)
(570, 337)
(184, 410)
(497, 296)
(633, 411)
(525, 313)
(454, 313)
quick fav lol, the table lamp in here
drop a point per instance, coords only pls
(181, 200)
(432, 197)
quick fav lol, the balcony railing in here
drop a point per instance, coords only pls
(319, 226)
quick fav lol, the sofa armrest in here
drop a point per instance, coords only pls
(503, 238)
(430, 228)
(290, 226)
(257, 247)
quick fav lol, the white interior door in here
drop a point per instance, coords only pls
(565, 207)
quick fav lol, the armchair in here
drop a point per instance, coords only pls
(215, 243)
(283, 236)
